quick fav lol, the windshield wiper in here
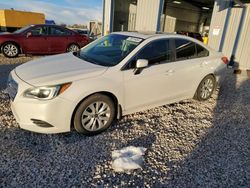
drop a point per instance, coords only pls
(86, 58)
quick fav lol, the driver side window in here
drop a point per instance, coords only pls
(156, 52)
(39, 31)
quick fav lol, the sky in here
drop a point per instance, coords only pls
(62, 11)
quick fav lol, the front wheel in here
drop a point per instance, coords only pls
(94, 115)
(73, 48)
(206, 88)
(10, 50)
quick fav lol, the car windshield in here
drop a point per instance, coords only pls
(109, 50)
(22, 29)
(83, 32)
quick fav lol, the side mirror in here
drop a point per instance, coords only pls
(28, 34)
(140, 64)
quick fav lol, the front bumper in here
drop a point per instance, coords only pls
(56, 112)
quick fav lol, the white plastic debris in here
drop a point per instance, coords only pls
(128, 158)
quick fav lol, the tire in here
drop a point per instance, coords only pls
(90, 119)
(10, 50)
(73, 48)
(206, 88)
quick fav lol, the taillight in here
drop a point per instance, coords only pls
(225, 60)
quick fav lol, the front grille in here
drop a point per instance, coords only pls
(12, 87)
(41, 123)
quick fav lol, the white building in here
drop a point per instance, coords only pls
(227, 22)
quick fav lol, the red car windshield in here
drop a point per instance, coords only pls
(22, 29)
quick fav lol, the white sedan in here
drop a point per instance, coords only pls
(118, 74)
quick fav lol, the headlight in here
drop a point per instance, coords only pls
(46, 92)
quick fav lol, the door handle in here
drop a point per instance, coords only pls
(204, 63)
(170, 72)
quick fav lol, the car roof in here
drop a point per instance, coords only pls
(143, 35)
(32, 25)
(46, 25)
(155, 35)
(146, 35)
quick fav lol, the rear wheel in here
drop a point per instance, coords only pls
(94, 115)
(206, 88)
(73, 48)
(10, 50)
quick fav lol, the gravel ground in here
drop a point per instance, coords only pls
(189, 144)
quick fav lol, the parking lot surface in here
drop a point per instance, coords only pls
(189, 144)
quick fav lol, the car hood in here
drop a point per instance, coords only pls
(57, 69)
(5, 33)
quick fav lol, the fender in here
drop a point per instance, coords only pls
(12, 41)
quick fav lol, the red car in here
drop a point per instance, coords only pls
(41, 39)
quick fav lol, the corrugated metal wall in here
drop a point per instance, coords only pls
(223, 32)
(147, 15)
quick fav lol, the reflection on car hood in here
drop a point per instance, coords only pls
(57, 69)
(4, 33)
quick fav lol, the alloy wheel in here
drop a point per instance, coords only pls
(207, 88)
(96, 116)
(73, 48)
(10, 50)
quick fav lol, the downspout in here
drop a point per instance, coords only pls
(161, 6)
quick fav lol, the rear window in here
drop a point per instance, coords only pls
(59, 31)
(185, 49)
(201, 52)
